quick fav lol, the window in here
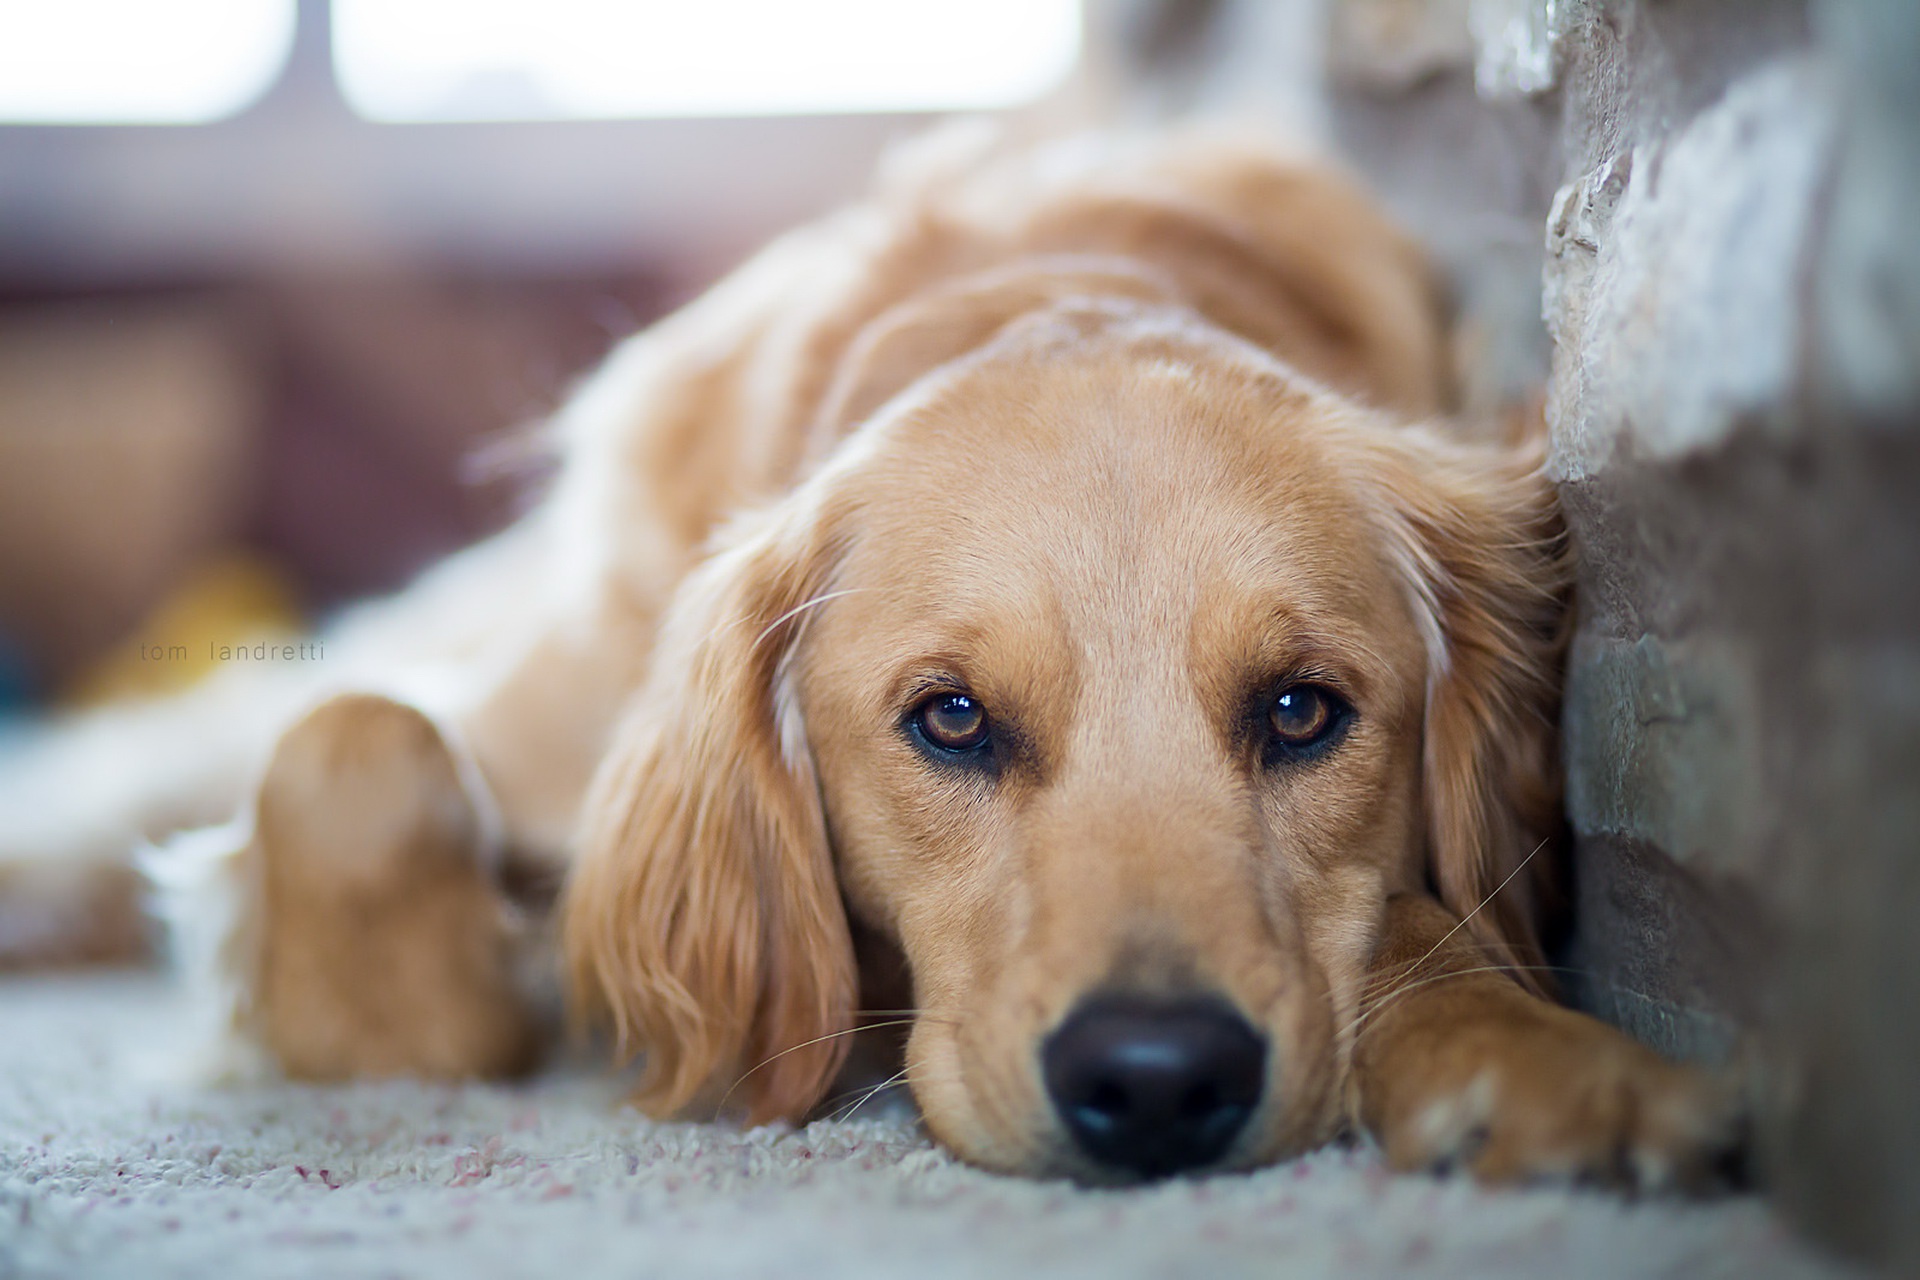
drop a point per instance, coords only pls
(437, 60)
(138, 61)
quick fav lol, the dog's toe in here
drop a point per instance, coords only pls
(1560, 1098)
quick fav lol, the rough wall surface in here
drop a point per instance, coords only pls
(1729, 287)
(1714, 208)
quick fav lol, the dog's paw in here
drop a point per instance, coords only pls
(385, 945)
(1544, 1095)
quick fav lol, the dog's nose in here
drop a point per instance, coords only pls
(1153, 1088)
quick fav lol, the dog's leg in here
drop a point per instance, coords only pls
(372, 937)
(80, 794)
(1454, 1063)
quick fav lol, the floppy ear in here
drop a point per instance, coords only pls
(703, 920)
(1484, 548)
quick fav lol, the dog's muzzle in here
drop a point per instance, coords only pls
(1150, 1087)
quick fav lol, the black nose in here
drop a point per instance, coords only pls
(1152, 1088)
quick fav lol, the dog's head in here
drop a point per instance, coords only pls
(1117, 674)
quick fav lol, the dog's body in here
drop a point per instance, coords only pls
(1032, 574)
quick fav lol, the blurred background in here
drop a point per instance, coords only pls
(282, 282)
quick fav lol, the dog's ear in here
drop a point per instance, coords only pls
(1479, 532)
(703, 920)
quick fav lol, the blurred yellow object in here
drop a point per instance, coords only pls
(239, 598)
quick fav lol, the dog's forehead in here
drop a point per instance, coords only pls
(1151, 499)
(1154, 473)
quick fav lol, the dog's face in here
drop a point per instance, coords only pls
(1116, 727)
(1101, 672)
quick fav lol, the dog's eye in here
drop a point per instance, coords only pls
(952, 722)
(1302, 715)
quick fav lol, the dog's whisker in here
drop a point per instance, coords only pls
(801, 608)
(1408, 977)
(1385, 980)
(1462, 923)
(1360, 1028)
(804, 1044)
(1374, 1006)
(871, 1094)
(824, 1108)
(829, 1106)
(1381, 989)
(1357, 1025)
(1376, 984)
(863, 1094)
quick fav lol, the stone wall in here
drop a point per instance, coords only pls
(1732, 287)
(1697, 224)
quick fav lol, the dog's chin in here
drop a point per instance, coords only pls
(1062, 1161)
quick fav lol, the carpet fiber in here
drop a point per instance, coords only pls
(106, 1170)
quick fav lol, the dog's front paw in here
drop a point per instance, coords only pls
(384, 945)
(1538, 1093)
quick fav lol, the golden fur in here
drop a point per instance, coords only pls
(1115, 437)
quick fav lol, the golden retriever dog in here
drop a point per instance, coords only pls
(1043, 608)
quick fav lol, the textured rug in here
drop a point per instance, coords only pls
(107, 1170)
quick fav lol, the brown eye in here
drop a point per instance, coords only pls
(1301, 715)
(952, 722)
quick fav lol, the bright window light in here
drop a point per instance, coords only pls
(138, 61)
(423, 60)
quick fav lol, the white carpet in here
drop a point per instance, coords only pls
(105, 1171)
